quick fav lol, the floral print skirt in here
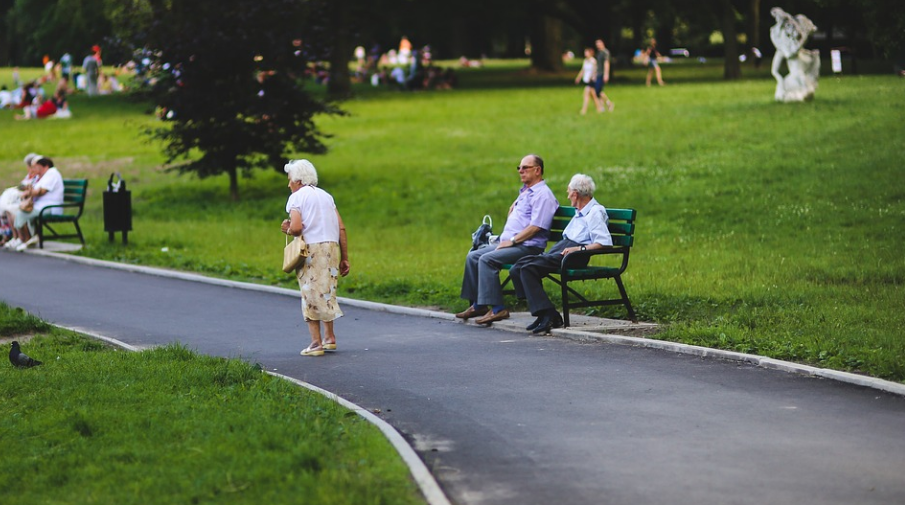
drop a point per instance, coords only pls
(317, 280)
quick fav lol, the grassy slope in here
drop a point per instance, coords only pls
(97, 425)
(763, 227)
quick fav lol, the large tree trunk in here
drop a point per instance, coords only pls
(546, 43)
(732, 69)
(339, 84)
(6, 6)
(458, 37)
(233, 184)
(639, 38)
(665, 39)
(752, 22)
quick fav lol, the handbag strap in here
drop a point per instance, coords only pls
(486, 219)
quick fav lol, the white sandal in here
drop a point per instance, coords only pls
(313, 350)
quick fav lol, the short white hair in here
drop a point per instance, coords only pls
(301, 171)
(31, 158)
(583, 184)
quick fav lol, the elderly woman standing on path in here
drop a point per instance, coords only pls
(313, 215)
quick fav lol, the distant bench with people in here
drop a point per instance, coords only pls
(74, 193)
(575, 265)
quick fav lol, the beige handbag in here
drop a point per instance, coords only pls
(294, 254)
(27, 204)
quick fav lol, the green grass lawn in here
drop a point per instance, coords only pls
(100, 425)
(762, 227)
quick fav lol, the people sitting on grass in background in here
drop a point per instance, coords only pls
(66, 65)
(451, 78)
(440, 78)
(30, 111)
(45, 108)
(6, 97)
(63, 87)
(80, 81)
(107, 84)
(104, 85)
(27, 94)
(466, 63)
(425, 78)
(62, 105)
(397, 75)
(42, 108)
(380, 77)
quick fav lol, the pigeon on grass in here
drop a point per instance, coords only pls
(20, 359)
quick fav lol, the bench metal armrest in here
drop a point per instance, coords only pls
(58, 206)
(580, 259)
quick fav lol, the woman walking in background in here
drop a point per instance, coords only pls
(314, 217)
(653, 62)
(586, 75)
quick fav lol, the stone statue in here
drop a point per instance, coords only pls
(789, 35)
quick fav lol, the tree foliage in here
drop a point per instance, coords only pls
(54, 27)
(228, 84)
(472, 28)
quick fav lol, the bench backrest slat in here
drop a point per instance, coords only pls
(560, 220)
(74, 190)
(621, 224)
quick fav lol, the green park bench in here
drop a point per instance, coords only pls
(74, 193)
(622, 229)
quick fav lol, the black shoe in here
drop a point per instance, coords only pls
(535, 324)
(548, 322)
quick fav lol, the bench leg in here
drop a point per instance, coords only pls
(79, 231)
(565, 302)
(625, 301)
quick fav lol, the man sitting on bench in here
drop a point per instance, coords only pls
(526, 231)
(586, 231)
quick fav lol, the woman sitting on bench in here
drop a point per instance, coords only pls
(48, 190)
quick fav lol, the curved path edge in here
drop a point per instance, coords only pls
(429, 487)
(423, 477)
(703, 352)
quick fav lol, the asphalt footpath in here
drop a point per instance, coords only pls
(502, 417)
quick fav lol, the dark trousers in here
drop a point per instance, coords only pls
(481, 282)
(528, 276)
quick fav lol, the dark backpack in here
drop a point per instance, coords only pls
(481, 236)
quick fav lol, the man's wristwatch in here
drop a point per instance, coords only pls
(584, 248)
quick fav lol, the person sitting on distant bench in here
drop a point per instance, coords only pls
(588, 230)
(525, 233)
(47, 191)
(10, 198)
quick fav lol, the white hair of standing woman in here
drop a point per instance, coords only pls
(301, 171)
(583, 184)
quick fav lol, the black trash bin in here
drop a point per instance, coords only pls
(117, 208)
